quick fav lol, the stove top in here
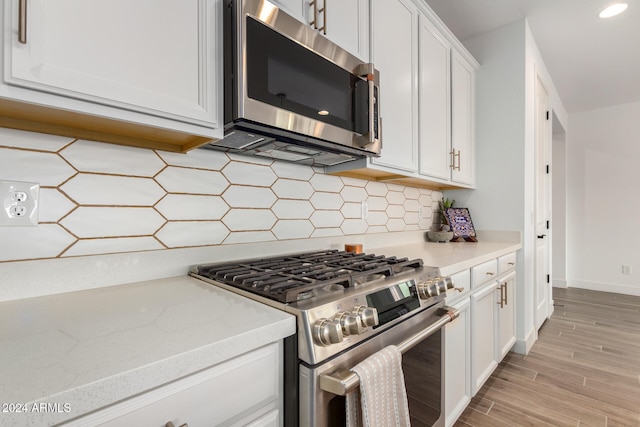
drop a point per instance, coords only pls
(339, 298)
(298, 277)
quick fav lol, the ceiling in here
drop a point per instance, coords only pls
(593, 62)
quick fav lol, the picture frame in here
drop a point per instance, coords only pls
(461, 224)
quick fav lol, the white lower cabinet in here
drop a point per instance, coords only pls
(483, 303)
(457, 387)
(245, 391)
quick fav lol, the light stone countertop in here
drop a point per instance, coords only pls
(452, 257)
(88, 349)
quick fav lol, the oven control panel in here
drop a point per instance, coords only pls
(344, 323)
(329, 327)
(433, 287)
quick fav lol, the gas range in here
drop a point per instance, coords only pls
(339, 298)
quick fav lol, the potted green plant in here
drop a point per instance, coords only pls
(443, 232)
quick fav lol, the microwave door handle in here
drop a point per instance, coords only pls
(343, 381)
(367, 71)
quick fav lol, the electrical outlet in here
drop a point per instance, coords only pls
(364, 210)
(626, 269)
(19, 203)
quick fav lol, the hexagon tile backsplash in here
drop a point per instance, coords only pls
(100, 198)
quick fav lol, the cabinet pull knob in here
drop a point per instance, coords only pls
(22, 21)
(461, 289)
(170, 424)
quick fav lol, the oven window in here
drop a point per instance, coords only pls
(282, 73)
(422, 367)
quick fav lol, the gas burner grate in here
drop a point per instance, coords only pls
(294, 277)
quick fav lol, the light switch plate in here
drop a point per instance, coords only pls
(19, 203)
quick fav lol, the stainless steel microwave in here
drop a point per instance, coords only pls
(292, 94)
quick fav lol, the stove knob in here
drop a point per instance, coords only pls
(442, 285)
(428, 289)
(423, 290)
(327, 332)
(350, 323)
(368, 315)
(434, 289)
(449, 282)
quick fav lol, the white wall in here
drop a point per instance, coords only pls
(504, 198)
(603, 207)
(559, 210)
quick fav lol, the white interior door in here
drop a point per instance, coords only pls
(542, 205)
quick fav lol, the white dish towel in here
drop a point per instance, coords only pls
(381, 400)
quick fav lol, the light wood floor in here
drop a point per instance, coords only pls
(584, 370)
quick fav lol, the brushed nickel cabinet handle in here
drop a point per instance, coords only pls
(453, 159)
(324, 18)
(506, 298)
(170, 424)
(458, 156)
(314, 22)
(501, 302)
(22, 21)
(489, 273)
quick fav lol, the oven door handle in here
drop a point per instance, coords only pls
(343, 381)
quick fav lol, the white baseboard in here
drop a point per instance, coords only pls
(605, 287)
(559, 283)
(523, 346)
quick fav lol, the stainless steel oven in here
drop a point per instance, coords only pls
(420, 338)
(348, 306)
(291, 93)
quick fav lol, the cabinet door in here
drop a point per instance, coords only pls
(295, 8)
(394, 52)
(150, 56)
(347, 25)
(435, 118)
(458, 365)
(215, 396)
(483, 303)
(462, 120)
(506, 316)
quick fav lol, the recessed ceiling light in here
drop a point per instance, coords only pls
(613, 10)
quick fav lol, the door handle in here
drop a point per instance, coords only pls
(541, 236)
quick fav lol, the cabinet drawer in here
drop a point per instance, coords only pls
(462, 283)
(214, 396)
(483, 273)
(507, 263)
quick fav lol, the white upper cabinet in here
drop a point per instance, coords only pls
(295, 8)
(462, 119)
(435, 105)
(394, 53)
(344, 22)
(347, 24)
(147, 62)
(447, 98)
(427, 98)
